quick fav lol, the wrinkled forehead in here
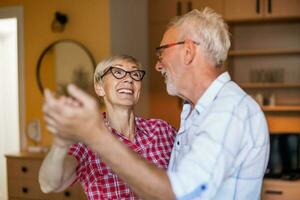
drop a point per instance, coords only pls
(171, 35)
(125, 64)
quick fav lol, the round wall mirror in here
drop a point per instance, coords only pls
(64, 62)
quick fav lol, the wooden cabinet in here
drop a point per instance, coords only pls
(265, 61)
(283, 9)
(263, 45)
(161, 11)
(217, 5)
(22, 175)
(260, 50)
(280, 190)
(242, 10)
(237, 10)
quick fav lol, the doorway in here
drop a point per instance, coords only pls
(11, 87)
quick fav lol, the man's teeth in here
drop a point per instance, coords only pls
(126, 91)
(164, 74)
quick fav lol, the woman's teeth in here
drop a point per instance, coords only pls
(126, 91)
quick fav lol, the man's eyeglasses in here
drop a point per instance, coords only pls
(160, 49)
(119, 73)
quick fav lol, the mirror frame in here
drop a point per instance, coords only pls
(38, 67)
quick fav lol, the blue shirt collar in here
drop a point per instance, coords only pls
(209, 95)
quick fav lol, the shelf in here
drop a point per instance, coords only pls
(281, 108)
(270, 85)
(263, 52)
(263, 20)
(281, 181)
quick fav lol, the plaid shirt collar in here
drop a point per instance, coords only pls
(140, 134)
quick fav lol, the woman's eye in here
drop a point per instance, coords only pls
(136, 74)
(118, 71)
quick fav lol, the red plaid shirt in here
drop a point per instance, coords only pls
(153, 140)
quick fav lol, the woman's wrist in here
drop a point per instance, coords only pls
(61, 143)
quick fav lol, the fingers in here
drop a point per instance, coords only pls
(51, 103)
(69, 101)
(72, 102)
(59, 113)
(70, 117)
(52, 129)
(51, 113)
(57, 108)
(49, 97)
(50, 121)
(80, 95)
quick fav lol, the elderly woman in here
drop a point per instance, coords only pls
(117, 81)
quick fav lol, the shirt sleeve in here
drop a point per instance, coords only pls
(80, 153)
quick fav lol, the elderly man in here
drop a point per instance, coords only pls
(222, 146)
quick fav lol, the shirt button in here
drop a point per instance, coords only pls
(178, 142)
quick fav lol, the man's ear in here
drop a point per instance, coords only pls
(190, 51)
(99, 89)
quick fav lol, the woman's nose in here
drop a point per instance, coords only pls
(128, 78)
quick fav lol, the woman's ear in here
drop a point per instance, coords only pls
(99, 89)
(190, 51)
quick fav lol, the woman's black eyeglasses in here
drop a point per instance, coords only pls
(119, 73)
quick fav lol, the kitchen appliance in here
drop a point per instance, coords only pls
(284, 161)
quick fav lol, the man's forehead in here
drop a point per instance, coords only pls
(170, 35)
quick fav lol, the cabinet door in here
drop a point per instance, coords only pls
(282, 8)
(280, 190)
(217, 5)
(164, 10)
(237, 10)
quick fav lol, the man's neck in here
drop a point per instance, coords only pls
(199, 82)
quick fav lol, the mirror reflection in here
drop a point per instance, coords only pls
(64, 62)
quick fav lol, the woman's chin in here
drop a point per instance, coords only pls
(126, 103)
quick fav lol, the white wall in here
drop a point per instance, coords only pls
(9, 102)
(129, 35)
(11, 78)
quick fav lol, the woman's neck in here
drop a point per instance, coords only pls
(123, 120)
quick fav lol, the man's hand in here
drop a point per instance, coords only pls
(76, 118)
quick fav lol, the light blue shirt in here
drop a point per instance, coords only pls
(222, 147)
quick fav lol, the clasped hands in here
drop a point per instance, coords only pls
(72, 119)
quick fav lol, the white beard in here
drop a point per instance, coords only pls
(171, 89)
